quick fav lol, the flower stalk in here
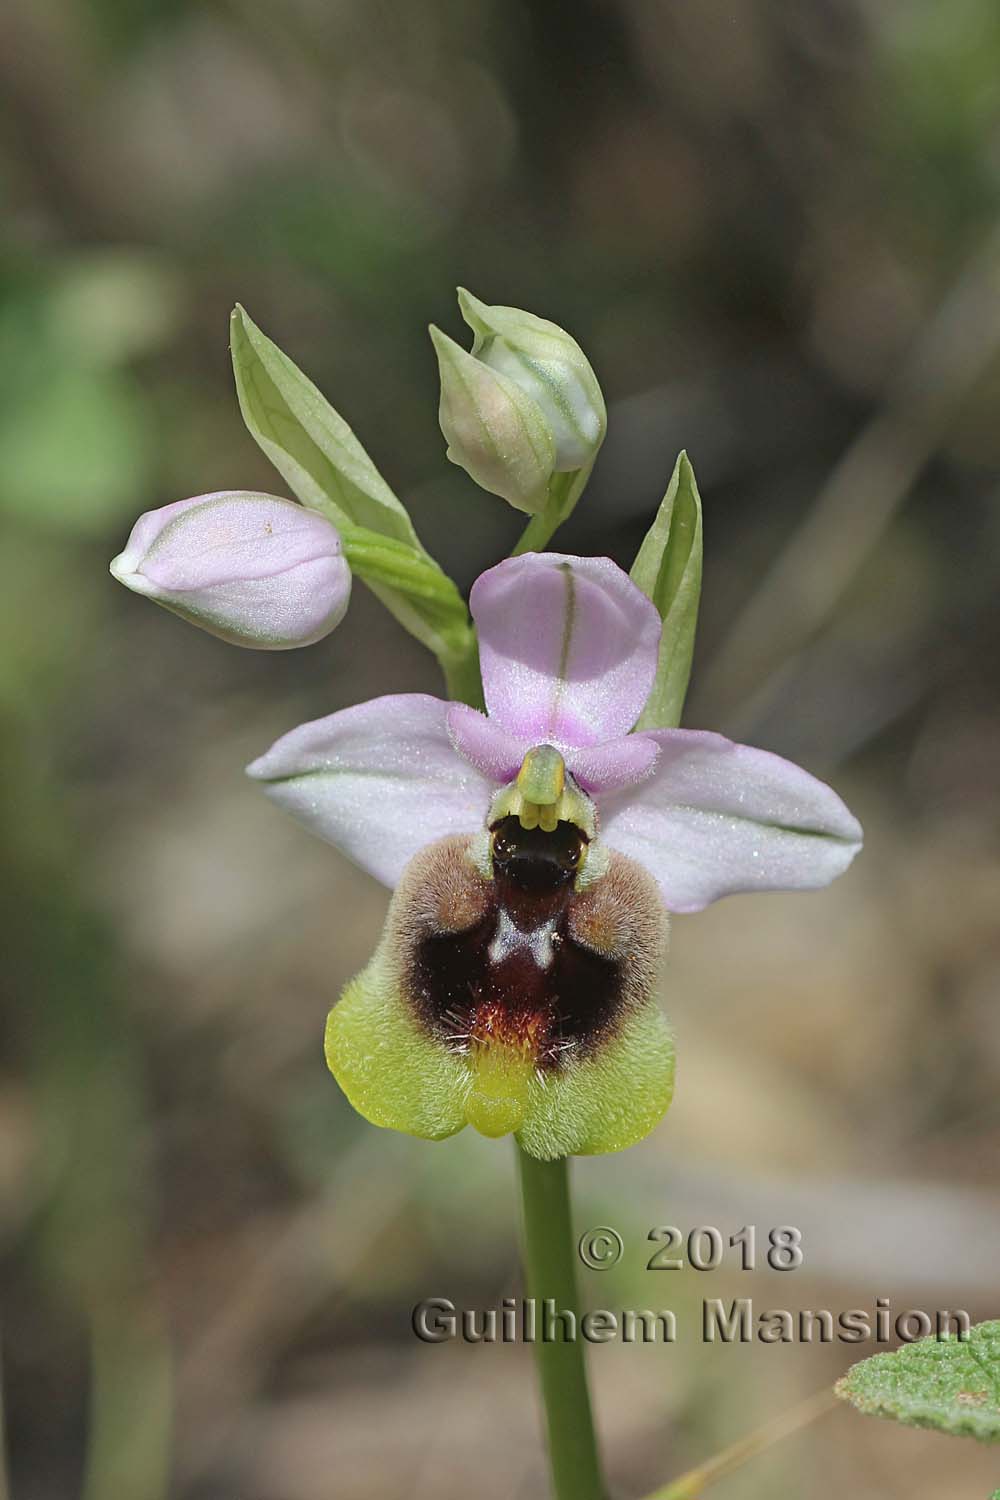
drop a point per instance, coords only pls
(564, 491)
(550, 1271)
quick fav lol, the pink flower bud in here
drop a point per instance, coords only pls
(252, 569)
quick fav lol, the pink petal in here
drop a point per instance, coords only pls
(568, 647)
(227, 537)
(491, 749)
(379, 780)
(617, 763)
(715, 818)
(598, 768)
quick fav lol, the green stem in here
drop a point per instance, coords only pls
(550, 1272)
(565, 490)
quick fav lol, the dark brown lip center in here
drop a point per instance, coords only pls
(535, 861)
(518, 973)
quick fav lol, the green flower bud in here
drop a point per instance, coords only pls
(523, 406)
(494, 431)
(547, 364)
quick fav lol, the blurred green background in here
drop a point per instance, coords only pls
(776, 231)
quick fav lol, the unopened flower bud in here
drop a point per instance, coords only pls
(522, 406)
(252, 569)
(494, 431)
(550, 367)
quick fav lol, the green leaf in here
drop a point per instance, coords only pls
(951, 1384)
(322, 461)
(668, 570)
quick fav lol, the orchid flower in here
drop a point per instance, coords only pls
(535, 852)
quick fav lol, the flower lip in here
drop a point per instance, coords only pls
(521, 974)
(547, 1026)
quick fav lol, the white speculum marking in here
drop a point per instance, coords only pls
(540, 942)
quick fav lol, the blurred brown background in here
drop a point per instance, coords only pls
(776, 231)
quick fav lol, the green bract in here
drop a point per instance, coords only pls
(668, 570)
(319, 456)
